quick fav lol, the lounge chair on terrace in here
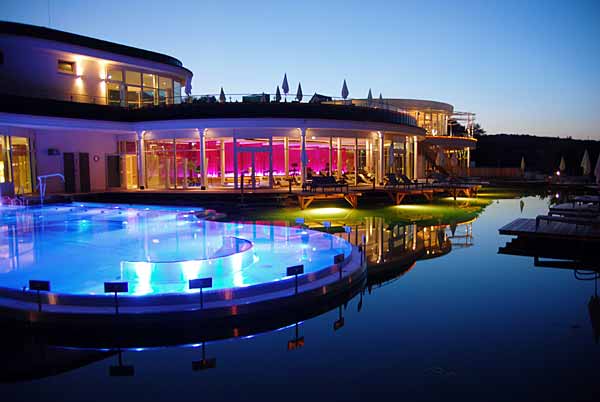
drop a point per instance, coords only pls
(326, 182)
(364, 179)
(392, 181)
(408, 182)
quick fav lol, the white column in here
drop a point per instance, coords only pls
(406, 153)
(271, 161)
(381, 158)
(202, 134)
(185, 173)
(330, 156)
(286, 156)
(174, 163)
(303, 158)
(367, 156)
(391, 163)
(415, 158)
(356, 161)
(235, 168)
(141, 159)
(11, 170)
(468, 169)
(253, 175)
(222, 162)
(339, 158)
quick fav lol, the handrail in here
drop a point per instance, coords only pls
(42, 184)
(214, 98)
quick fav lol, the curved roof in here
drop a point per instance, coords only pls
(34, 31)
(419, 104)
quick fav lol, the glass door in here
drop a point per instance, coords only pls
(21, 164)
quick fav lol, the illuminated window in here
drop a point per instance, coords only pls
(66, 66)
(165, 83)
(114, 75)
(113, 93)
(133, 78)
(133, 96)
(177, 92)
(166, 90)
(149, 80)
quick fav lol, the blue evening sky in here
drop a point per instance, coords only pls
(522, 66)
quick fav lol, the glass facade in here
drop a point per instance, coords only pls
(265, 161)
(435, 123)
(135, 88)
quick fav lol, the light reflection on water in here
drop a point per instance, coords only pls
(80, 247)
(444, 316)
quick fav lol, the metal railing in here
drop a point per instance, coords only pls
(401, 116)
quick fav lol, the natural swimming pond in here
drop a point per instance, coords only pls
(466, 323)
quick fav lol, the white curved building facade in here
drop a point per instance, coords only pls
(109, 116)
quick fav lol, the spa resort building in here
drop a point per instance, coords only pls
(112, 117)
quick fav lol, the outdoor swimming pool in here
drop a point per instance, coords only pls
(157, 250)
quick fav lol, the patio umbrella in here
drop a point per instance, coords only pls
(277, 95)
(222, 96)
(299, 93)
(586, 165)
(285, 86)
(522, 164)
(562, 165)
(597, 171)
(370, 96)
(345, 92)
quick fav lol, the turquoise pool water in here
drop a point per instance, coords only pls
(78, 247)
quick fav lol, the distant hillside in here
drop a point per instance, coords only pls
(542, 154)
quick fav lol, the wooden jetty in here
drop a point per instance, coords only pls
(550, 229)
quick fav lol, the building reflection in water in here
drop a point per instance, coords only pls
(391, 250)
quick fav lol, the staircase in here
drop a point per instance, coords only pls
(431, 155)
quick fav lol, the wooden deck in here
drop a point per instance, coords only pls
(556, 230)
(307, 198)
(397, 194)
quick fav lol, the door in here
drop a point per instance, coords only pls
(84, 172)
(251, 161)
(113, 171)
(69, 171)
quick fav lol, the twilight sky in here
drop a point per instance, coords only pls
(522, 66)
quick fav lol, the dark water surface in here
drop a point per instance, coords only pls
(468, 325)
